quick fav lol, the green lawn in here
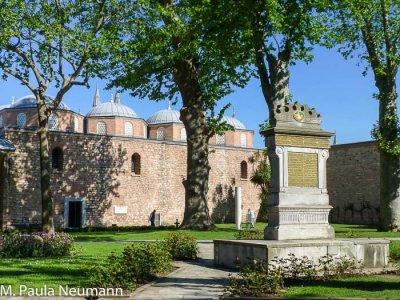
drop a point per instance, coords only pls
(361, 231)
(223, 231)
(353, 287)
(72, 271)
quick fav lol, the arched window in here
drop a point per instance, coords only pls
(128, 129)
(183, 134)
(243, 140)
(161, 133)
(101, 128)
(1, 121)
(57, 159)
(21, 120)
(76, 124)
(243, 170)
(53, 122)
(135, 164)
(220, 139)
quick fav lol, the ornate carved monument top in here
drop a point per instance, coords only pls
(297, 115)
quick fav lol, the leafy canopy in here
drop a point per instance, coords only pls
(60, 43)
(156, 38)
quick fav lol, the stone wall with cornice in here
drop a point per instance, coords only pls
(98, 169)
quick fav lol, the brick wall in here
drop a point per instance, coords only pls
(98, 169)
(353, 183)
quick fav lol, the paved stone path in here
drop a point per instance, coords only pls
(192, 280)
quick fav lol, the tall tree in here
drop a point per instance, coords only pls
(58, 44)
(168, 50)
(272, 35)
(370, 29)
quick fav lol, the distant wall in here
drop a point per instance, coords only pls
(353, 183)
(98, 169)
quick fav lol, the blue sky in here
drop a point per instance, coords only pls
(334, 86)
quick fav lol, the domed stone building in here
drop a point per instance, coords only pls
(113, 167)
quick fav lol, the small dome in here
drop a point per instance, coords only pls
(234, 122)
(111, 109)
(30, 102)
(164, 116)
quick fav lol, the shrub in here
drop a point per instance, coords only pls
(37, 244)
(256, 279)
(394, 250)
(250, 235)
(138, 263)
(181, 246)
(260, 278)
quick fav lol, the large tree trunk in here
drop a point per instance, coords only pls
(273, 70)
(45, 167)
(279, 77)
(196, 214)
(193, 116)
(389, 163)
(198, 168)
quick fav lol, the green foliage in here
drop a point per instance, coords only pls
(181, 245)
(261, 177)
(38, 244)
(251, 234)
(394, 250)
(157, 38)
(260, 278)
(138, 263)
(390, 128)
(256, 279)
(368, 29)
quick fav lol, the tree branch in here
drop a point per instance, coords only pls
(386, 35)
(17, 76)
(30, 63)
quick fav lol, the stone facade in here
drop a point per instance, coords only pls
(97, 171)
(353, 183)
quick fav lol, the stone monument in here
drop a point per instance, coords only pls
(298, 202)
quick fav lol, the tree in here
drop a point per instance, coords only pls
(168, 50)
(370, 29)
(59, 44)
(261, 177)
(271, 35)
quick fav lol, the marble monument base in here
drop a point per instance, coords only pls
(299, 223)
(372, 254)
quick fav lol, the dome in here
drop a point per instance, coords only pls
(164, 116)
(4, 107)
(234, 122)
(112, 109)
(30, 102)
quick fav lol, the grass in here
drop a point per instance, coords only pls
(357, 287)
(223, 231)
(72, 271)
(52, 272)
(361, 231)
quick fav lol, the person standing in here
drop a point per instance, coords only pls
(250, 218)
(152, 218)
